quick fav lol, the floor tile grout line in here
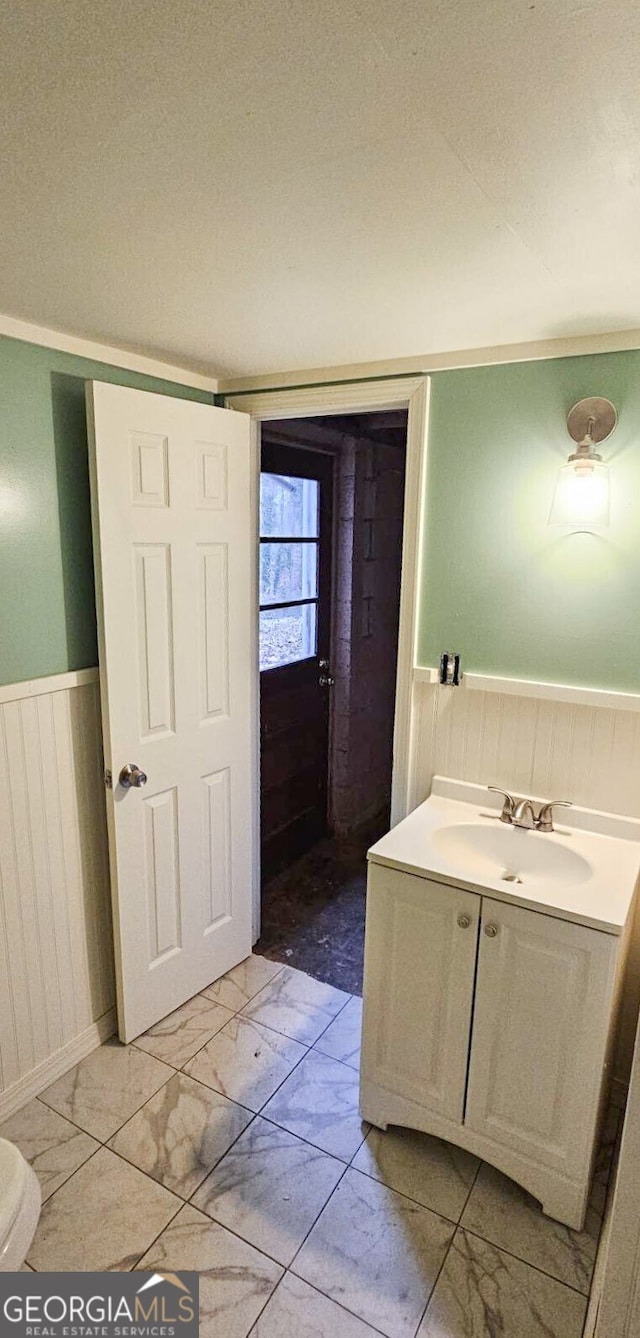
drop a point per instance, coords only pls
(561, 1281)
(254, 1023)
(234, 1013)
(473, 1185)
(231, 1231)
(418, 1202)
(40, 1096)
(247, 1001)
(401, 1195)
(216, 1163)
(298, 1061)
(295, 971)
(52, 1197)
(309, 1044)
(66, 1180)
(350, 1167)
(157, 1238)
(436, 1281)
(346, 1167)
(450, 1246)
(312, 1048)
(184, 1203)
(274, 1123)
(62, 1117)
(178, 1072)
(314, 1225)
(318, 1290)
(333, 1019)
(181, 1069)
(307, 1141)
(105, 1142)
(267, 1302)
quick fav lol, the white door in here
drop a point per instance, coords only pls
(540, 1029)
(174, 555)
(420, 960)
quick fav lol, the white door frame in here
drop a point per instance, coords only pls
(411, 393)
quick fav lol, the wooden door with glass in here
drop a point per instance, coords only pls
(296, 486)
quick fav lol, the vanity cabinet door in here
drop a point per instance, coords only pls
(540, 1028)
(421, 941)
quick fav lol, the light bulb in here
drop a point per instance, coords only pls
(581, 498)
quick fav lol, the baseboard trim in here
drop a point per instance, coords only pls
(35, 1082)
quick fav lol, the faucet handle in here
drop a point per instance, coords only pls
(508, 808)
(544, 820)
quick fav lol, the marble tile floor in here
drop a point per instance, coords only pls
(228, 1140)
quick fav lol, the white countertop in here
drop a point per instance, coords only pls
(610, 843)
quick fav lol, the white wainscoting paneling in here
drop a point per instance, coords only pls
(555, 749)
(56, 956)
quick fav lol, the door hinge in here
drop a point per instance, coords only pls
(108, 779)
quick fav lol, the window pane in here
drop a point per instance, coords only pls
(288, 571)
(288, 507)
(287, 635)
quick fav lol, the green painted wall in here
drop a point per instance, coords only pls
(513, 595)
(47, 606)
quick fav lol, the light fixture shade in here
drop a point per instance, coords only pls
(581, 497)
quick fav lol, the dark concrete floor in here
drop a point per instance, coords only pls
(313, 912)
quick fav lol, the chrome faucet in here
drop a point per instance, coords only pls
(521, 813)
(524, 815)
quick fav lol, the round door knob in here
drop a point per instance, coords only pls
(132, 775)
(464, 921)
(326, 680)
(491, 931)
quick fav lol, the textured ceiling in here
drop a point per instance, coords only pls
(254, 185)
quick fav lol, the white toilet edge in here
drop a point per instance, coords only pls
(15, 1246)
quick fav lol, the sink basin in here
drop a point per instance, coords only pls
(510, 854)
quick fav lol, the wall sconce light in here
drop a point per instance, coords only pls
(581, 498)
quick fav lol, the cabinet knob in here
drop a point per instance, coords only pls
(491, 931)
(464, 921)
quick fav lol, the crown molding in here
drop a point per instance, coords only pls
(570, 346)
(12, 328)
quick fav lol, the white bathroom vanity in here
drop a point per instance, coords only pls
(493, 969)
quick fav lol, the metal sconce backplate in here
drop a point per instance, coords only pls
(595, 416)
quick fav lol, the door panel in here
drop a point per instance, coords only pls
(540, 1024)
(295, 618)
(419, 974)
(174, 556)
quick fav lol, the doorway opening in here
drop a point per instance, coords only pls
(331, 528)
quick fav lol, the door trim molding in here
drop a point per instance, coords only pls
(411, 393)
